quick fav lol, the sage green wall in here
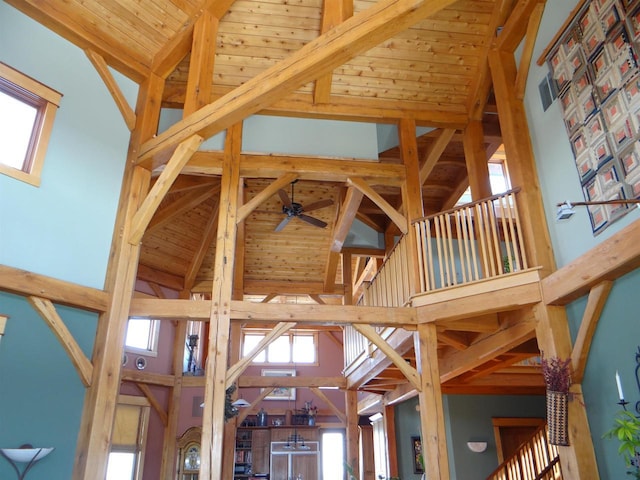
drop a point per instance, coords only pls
(61, 229)
(41, 394)
(617, 336)
(468, 418)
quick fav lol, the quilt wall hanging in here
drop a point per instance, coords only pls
(594, 64)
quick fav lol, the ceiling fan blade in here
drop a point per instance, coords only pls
(284, 198)
(312, 221)
(283, 223)
(318, 205)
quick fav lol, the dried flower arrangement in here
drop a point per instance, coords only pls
(557, 374)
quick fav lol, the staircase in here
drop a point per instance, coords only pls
(534, 460)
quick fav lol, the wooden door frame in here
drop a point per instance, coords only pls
(499, 422)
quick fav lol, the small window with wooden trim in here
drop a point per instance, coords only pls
(27, 111)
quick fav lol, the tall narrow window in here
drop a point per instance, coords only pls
(128, 439)
(332, 455)
(27, 111)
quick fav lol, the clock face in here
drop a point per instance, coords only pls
(192, 458)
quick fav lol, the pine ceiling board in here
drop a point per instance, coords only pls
(233, 39)
(306, 10)
(299, 251)
(96, 27)
(406, 75)
(421, 96)
(416, 64)
(397, 85)
(119, 25)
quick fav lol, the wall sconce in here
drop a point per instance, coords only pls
(25, 454)
(565, 209)
(477, 447)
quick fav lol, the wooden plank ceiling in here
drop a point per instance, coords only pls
(434, 72)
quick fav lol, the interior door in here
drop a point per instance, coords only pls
(512, 432)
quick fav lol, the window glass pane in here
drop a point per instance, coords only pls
(250, 341)
(497, 178)
(138, 333)
(304, 349)
(121, 466)
(279, 351)
(17, 121)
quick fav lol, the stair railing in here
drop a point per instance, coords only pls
(535, 459)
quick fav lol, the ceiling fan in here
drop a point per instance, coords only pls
(292, 209)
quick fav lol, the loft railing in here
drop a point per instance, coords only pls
(476, 241)
(391, 286)
(473, 242)
(534, 460)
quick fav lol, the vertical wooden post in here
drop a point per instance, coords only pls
(351, 409)
(100, 400)
(578, 460)
(522, 168)
(475, 157)
(200, 80)
(367, 464)
(168, 462)
(434, 444)
(347, 279)
(231, 426)
(411, 194)
(390, 434)
(216, 370)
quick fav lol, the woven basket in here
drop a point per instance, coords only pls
(557, 418)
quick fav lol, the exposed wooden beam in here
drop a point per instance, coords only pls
(337, 412)
(516, 26)
(407, 370)
(161, 187)
(306, 168)
(161, 278)
(266, 287)
(208, 236)
(185, 203)
(345, 220)
(114, 89)
(334, 12)
(392, 213)
(365, 109)
(201, 62)
(504, 293)
(347, 40)
(434, 153)
(245, 210)
(136, 376)
(270, 312)
(490, 347)
(50, 315)
(527, 51)
(609, 260)
(155, 403)
(595, 304)
(220, 320)
(22, 282)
